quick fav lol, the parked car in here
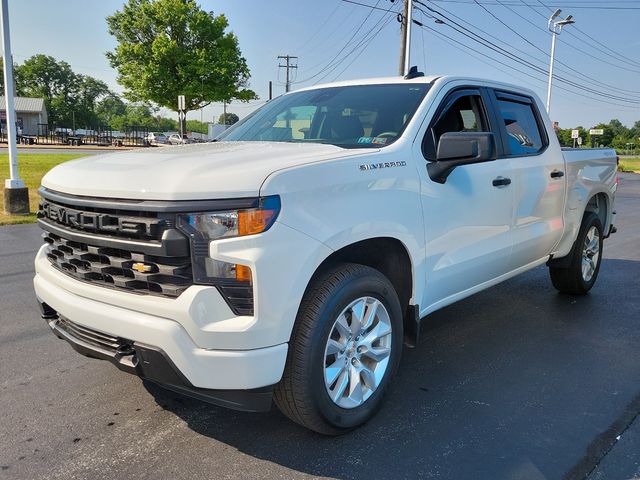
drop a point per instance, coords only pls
(293, 257)
(61, 131)
(83, 132)
(157, 138)
(176, 139)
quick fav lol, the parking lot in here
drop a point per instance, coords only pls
(517, 382)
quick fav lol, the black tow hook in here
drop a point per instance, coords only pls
(125, 350)
(47, 312)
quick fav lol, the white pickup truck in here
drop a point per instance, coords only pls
(292, 259)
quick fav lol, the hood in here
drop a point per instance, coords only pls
(186, 172)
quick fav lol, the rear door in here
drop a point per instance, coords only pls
(537, 174)
(468, 219)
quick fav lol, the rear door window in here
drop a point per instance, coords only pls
(524, 135)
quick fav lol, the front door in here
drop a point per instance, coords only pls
(468, 219)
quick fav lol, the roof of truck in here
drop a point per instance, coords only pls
(424, 79)
(374, 81)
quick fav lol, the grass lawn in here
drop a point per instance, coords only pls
(32, 167)
(630, 164)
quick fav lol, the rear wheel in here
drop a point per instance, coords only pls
(581, 273)
(344, 349)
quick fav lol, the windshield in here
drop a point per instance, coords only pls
(352, 116)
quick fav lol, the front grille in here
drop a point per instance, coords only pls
(120, 269)
(133, 245)
(109, 221)
(101, 340)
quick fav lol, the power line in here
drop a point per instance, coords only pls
(588, 79)
(511, 67)
(365, 40)
(578, 48)
(520, 60)
(330, 65)
(424, 50)
(594, 42)
(577, 72)
(561, 4)
(364, 48)
(463, 48)
(369, 6)
(321, 27)
(488, 44)
(330, 34)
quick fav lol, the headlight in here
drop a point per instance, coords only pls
(234, 223)
(205, 227)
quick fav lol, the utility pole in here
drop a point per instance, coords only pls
(288, 66)
(405, 38)
(16, 195)
(270, 89)
(555, 27)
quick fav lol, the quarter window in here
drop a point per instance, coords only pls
(522, 128)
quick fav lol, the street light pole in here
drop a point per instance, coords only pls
(555, 27)
(16, 195)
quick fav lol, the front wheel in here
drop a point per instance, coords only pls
(580, 275)
(345, 347)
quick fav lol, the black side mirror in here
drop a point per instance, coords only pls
(461, 148)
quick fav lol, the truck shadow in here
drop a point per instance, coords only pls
(515, 382)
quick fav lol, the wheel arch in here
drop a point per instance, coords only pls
(599, 204)
(390, 257)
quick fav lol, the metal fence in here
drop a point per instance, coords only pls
(102, 135)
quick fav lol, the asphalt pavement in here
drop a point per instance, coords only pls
(516, 382)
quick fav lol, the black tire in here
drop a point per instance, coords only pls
(302, 395)
(569, 279)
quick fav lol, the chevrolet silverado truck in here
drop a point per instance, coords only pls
(293, 258)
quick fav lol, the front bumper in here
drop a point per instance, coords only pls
(208, 368)
(150, 363)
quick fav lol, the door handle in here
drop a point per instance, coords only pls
(501, 182)
(557, 174)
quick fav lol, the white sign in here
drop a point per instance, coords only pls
(181, 103)
(596, 131)
(575, 133)
(579, 140)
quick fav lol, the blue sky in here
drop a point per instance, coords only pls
(317, 32)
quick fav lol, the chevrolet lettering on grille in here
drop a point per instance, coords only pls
(98, 222)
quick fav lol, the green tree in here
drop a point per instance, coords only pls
(71, 98)
(43, 76)
(230, 119)
(16, 79)
(164, 124)
(197, 126)
(564, 137)
(110, 108)
(605, 139)
(584, 134)
(87, 92)
(618, 128)
(168, 48)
